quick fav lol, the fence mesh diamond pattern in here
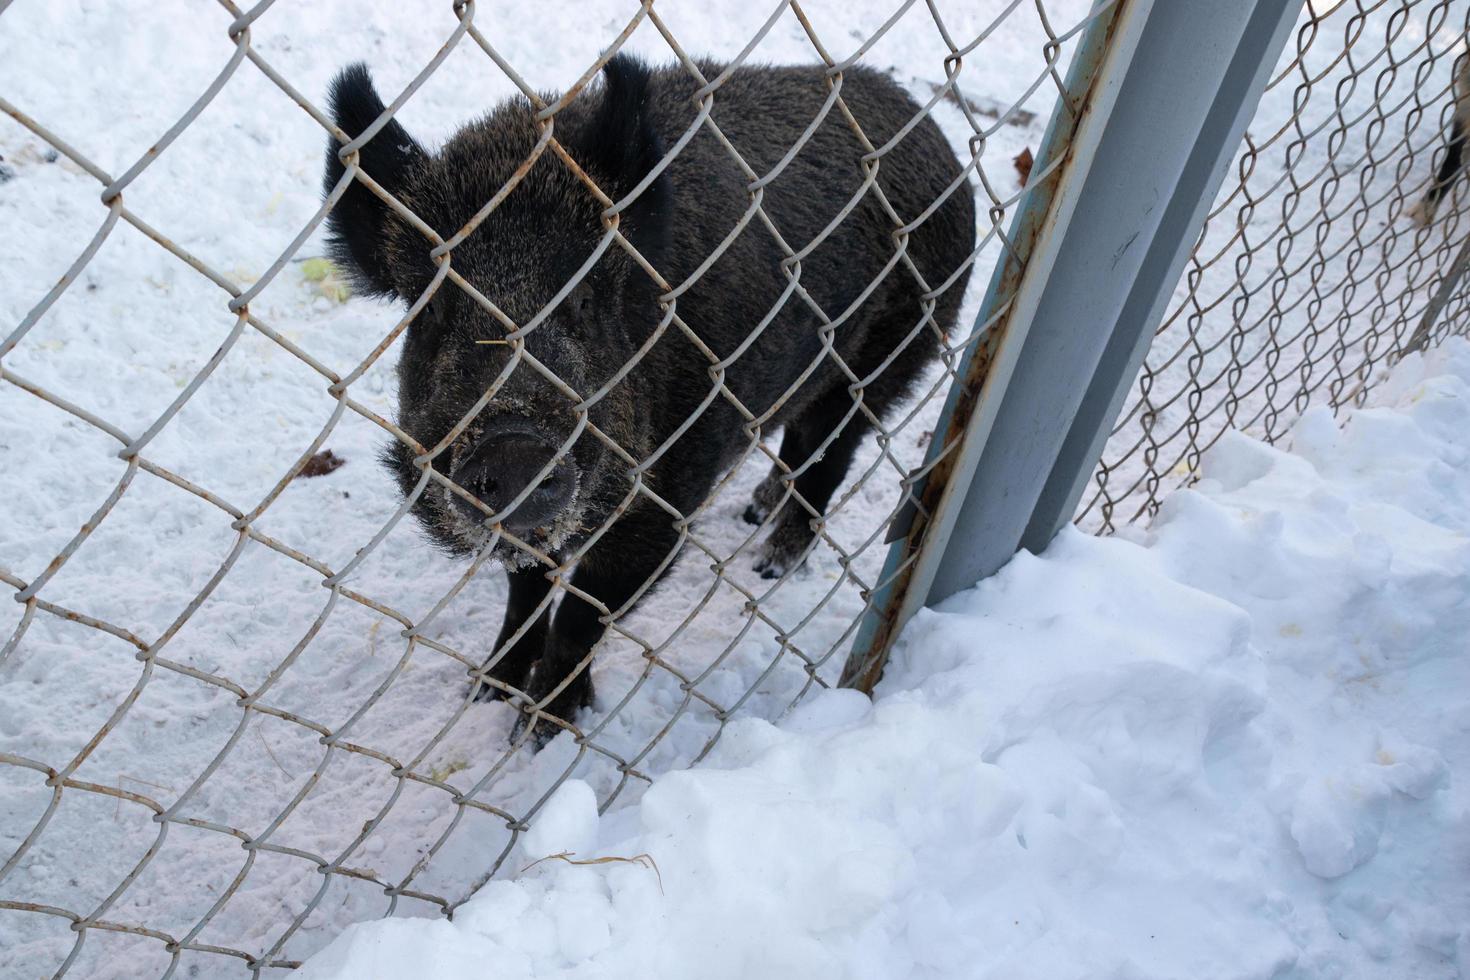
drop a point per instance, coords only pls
(1311, 274)
(237, 695)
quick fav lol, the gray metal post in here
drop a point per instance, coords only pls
(1165, 113)
(1218, 131)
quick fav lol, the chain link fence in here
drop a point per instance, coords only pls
(238, 707)
(1311, 275)
(243, 695)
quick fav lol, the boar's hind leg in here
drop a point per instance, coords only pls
(632, 553)
(527, 589)
(791, 539)
(768, 492)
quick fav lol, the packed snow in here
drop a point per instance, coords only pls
(1221, 747)
(1176, 733)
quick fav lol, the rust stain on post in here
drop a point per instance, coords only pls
(864, 669)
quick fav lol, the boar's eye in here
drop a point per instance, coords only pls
(425, 331)
(583, 307)
(433, 314)
(581, 304)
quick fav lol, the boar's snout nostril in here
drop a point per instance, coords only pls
(502, 465)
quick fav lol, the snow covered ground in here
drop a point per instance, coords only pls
(1233, 745)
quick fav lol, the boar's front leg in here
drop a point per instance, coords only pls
(527, 590)
(635, 551)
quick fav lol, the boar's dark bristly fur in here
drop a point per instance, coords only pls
(546, 229)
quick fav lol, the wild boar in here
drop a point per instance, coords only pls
(812, 318)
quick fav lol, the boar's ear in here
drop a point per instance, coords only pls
(619, 147)
(358, 221)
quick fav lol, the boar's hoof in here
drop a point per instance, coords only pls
(576, 695)
(767, 497)
(769, 568)
(784, 550)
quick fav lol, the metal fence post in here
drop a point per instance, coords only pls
(1166, 110)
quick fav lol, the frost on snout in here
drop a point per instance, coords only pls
(519, 473)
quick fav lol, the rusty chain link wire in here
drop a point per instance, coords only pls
(249, 923)
(1311, 275)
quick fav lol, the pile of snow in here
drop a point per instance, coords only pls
(1219, 749)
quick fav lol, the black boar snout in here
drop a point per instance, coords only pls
(506, 460)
